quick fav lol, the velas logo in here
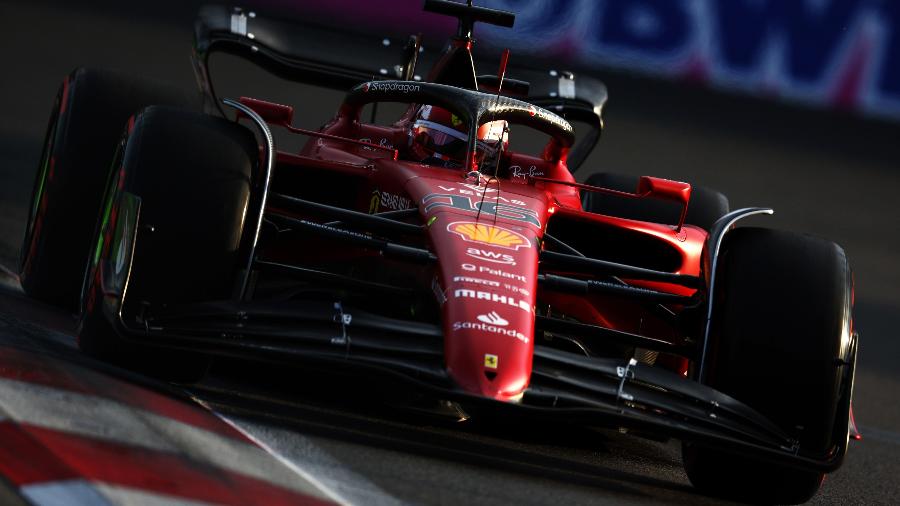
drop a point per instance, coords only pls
(474, 187)
(489, 234)
(480, 191)
(493, 318)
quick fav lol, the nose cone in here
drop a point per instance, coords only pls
(488, 354)
(488, 314)
(486, 243)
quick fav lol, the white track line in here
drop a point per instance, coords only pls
(314, 464)
(9, 279)
(6, 271)
(331, 494)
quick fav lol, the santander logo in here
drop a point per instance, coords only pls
(493, 318)
(492, 323)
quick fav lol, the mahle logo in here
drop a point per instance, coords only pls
(507, 300)
(489, 234)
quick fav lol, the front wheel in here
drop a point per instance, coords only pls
(169, 234)
(780, 342)
(91, 110)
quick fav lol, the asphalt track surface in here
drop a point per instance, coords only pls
(829, 175)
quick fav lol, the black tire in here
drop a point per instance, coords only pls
(705, 208)
(781, 307)
(192, 174)
(91, 109)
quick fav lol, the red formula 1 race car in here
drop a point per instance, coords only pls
(431, 251)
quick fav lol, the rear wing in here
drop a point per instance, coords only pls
(322, 56)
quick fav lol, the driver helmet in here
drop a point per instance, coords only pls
(439, 137)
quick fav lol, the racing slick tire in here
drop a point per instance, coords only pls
(85, 125)
(782, 318)
(706, 206)
(191, 174)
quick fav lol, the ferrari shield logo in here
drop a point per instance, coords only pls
(490, 361)
(489, 234)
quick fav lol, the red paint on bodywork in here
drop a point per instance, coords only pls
(64, 101)
(489, 279)
(487, 235)
(271, 112)
(855, 434)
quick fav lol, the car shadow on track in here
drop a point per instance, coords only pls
(601, 459)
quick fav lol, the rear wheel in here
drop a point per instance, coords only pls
(90, 111)
(778, 342)
(191, 175)
(706, 205)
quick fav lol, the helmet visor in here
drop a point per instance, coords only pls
(450, 144)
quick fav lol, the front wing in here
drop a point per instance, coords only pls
(564, 386)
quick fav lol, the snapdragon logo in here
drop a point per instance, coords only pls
(391, 86)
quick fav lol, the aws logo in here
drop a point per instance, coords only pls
(491, 256)
(489, 234)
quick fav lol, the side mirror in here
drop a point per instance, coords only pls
(666, 189)
(271, 112)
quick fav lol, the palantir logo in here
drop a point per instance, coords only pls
(493, 318)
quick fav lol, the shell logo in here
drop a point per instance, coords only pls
(489, 234)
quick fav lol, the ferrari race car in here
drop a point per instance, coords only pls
(431, 251)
